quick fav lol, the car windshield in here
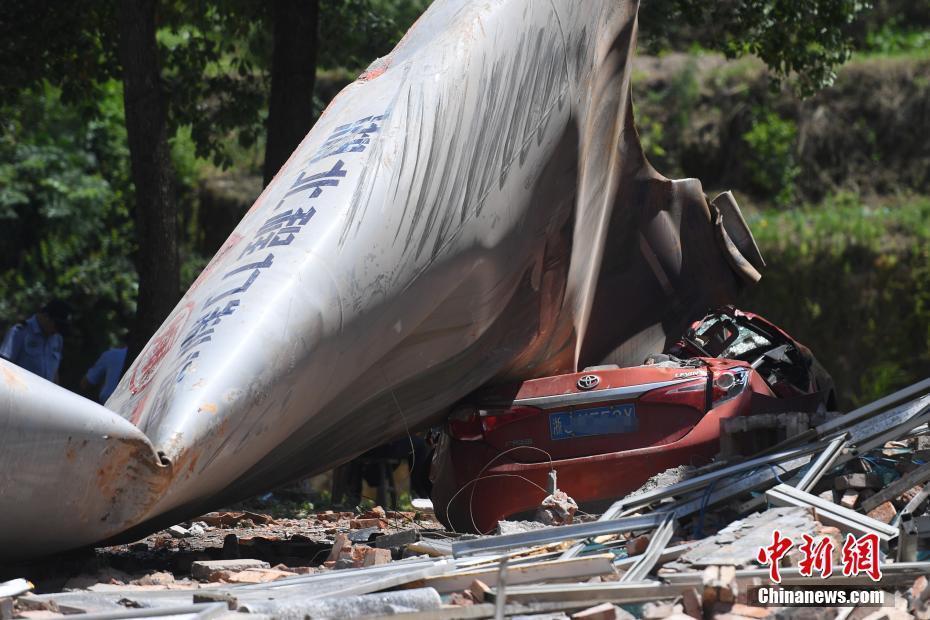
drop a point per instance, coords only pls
(721, 336)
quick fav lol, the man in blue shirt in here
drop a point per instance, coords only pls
(36, 343)
(106, 372)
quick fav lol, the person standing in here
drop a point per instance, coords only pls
(106, 372)
(36, 344)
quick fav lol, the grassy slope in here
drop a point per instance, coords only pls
(851, 279)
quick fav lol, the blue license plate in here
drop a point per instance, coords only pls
(612, 420)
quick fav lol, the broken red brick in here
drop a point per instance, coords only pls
(918, 587)
(258, 575)
(637, 545)
(375, 513)
(884, 512)
(850, 498)
(341, 543)
(357, 555)
(374, 557)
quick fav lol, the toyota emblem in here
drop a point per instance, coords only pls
(586, 382)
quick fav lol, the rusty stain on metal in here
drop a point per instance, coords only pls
(11, 379)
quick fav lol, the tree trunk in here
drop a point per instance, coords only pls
(293, 73)
(157, 260)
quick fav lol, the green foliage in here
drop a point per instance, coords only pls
(892, 39)
(799, 40)
(772, 142)
(355, 32)
(866, 133)
(676, 102)
(215, 58)
(851, 279)
(66, 229)
(71, 44)
(651, 136)
(894, 28)
(65, 205)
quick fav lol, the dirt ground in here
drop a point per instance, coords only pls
(299, 545)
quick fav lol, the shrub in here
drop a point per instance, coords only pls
(852, 281)
(771, 156)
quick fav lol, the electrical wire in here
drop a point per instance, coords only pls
(477, 477)
(471, 498)
(413, 452)
(488, 477)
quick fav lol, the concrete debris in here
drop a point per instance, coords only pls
(422, 504)
(362, 535)
(515, 527)
(382, 604)
(557, 509)
(738, 543)
(665, 479)
(163, 578)
(397, 540)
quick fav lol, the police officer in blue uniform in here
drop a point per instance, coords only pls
(36, 343)
(106, 372)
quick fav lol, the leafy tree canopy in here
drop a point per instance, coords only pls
(215, 55)
(799, 40)
(64, 224)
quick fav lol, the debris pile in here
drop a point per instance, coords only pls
(836, 507)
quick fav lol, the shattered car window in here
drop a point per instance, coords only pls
(747, 341)
(720, 336)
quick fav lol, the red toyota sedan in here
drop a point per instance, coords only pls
(607, 430)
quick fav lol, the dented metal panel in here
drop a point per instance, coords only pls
(64, 466)
(476, 207)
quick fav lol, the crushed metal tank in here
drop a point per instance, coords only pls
(475, 208)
